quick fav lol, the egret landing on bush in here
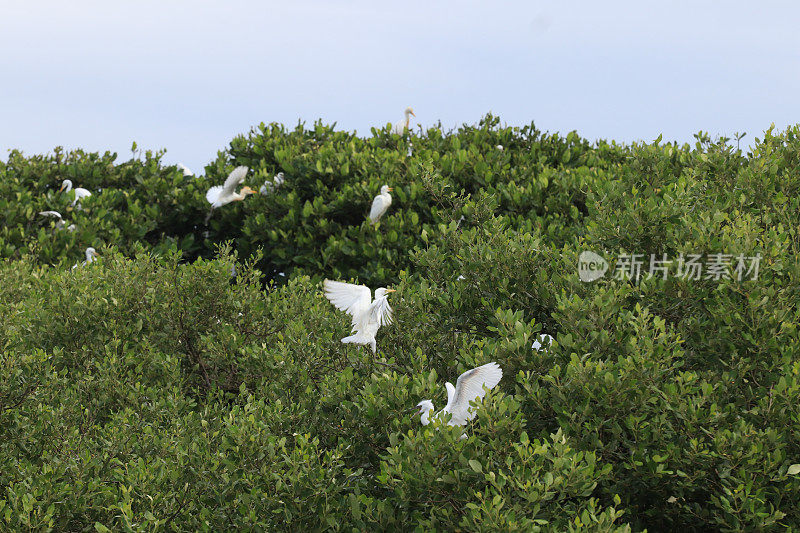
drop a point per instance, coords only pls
(402, 125)
(368, 315)
(60, 222)
(80, 192)
(380, 204)
(469, 387)
(220, 195)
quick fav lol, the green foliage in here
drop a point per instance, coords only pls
(152, 390)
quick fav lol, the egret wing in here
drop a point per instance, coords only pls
(235, 178)
(347, 297)
(451, 392)
(379, 206)
(54, 214)
(469, 387)
(381, 312)
(212, 195)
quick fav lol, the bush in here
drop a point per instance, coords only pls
(181, 383)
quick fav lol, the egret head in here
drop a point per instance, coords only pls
(66, 184)
(91, 253)
(383, 292)
(424, 409)
(247, 190)
(424, 406)
(386, 189)
(410, 111)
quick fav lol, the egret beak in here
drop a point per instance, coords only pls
(248, 190)
(390, 290)
(391, 189)
(95, 254)
(62, 188)
(412, 113)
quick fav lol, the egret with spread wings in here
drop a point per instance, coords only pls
(368, 314)
(60, 222)
(469, 387)
(220, 195)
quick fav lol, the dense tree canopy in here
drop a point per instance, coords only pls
(151, 390)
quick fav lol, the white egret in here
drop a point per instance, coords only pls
(500, 147)
(402, 125)
(469, 387)
(91, 254)
(271, 185)
(185, 170)
(60, 222)
(543, 342)
(368, 315)
(380, 204)
(220, 195)
(80, 192)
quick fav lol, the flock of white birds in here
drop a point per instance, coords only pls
(367, 314)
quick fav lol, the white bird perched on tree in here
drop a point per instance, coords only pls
(220, 195)
(469, 387)
(185, 170)
(401, 126)
(380, 204)
(368, 315)
(91, 254)
(60, 222)
(80, 192)
(269, 186)
(543, 342)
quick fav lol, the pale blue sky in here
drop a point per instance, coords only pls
(190, 75)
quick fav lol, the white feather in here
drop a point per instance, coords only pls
(471, 386)
(213, 194)
(218, 196)
(367, 316)
(401, 126)
(543, 342)
(380, 204)
(348, 297)
(185, 170)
